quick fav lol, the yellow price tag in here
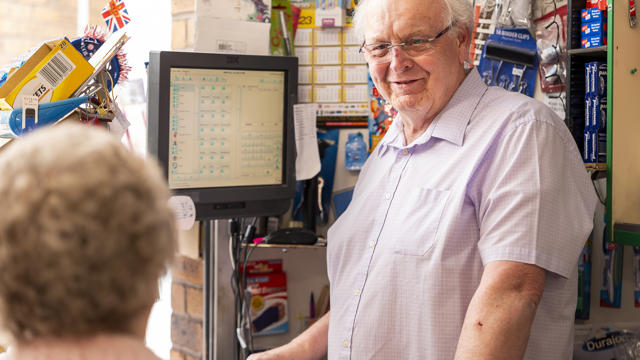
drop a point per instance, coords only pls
(257, 302)
(307, 17)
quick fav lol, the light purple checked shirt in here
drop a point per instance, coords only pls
(496, 176)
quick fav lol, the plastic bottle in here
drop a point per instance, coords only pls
(355, 152)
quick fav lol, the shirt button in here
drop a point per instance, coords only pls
(357, 292)
(405, 152)
(372, 244)
(346, 344)
(387, 196)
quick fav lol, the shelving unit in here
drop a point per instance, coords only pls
(576, 58)
(621, 55)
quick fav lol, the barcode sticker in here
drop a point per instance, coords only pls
(517, 71)
(56, 70)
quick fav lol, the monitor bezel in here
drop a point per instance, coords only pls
(231, 201)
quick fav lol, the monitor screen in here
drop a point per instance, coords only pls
(226, 137)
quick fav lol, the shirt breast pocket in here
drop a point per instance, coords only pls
(415, 230)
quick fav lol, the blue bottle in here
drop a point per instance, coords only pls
(355, 152)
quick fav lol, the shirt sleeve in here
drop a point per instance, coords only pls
(534, 199)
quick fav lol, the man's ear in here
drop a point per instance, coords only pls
(463, 43)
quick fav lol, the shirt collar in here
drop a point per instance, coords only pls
(450, 124)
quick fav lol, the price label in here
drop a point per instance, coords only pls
(307, 17)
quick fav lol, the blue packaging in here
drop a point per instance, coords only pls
(598, 116)
(598, 147)
(593, 41)
(584, 281)
(593, 28)
(587, 79)
(355, 152)
(587, 112)
(586, 152)
(593, 14)
(599, 78)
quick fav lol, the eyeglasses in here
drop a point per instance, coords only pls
(381, 52)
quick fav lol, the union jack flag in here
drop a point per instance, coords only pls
(115, 15)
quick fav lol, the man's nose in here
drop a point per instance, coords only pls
(400, 60)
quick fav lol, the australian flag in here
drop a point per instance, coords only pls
(115, 14)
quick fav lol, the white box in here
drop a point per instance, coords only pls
(304, 37)
(330, 55)
(349, 37)
(327, 37)
(305, 55)
(333, 17)
(327, 74)
(354, 74)
(352, 55)
(305, 75)
(355, 93)
(305, 93)
(327, 93)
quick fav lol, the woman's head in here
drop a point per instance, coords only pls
(85, 233)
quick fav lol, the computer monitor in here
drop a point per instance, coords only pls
(222, 128)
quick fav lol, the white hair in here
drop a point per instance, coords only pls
(460, 12)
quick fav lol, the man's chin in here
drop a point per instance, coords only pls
(410, 104)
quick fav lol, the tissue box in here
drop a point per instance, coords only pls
(54, 72)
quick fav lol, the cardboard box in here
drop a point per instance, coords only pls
(52, 73)
(586, 152)
(593, 28)
(598, 146)
(598, 112)
(587, 112)
(592, 14)
(593, 41)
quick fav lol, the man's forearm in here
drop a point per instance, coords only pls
(315, 339)
(498, 320)
(310, 345)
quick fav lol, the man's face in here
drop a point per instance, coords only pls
(425, 82)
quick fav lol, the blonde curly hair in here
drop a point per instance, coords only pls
(85, 234)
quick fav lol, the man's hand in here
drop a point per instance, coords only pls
(310, 345)
(498, 320)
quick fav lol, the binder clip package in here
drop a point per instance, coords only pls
(509, 60)
(53, 72)
(268, 303)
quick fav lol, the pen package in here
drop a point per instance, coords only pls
(611, 291)
(281, 31)
(636, 276)
(584, 281)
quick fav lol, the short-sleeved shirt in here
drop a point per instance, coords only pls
(496, 176)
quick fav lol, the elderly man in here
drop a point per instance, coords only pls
(463, 235)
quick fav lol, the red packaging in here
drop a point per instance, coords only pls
(263, 266)
(268, 303)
